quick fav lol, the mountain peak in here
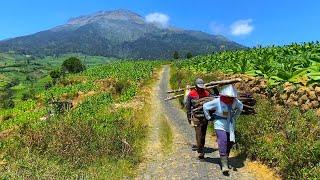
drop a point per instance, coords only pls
(120, 14)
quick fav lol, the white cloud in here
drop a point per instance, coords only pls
(241, 27)
(158, 18)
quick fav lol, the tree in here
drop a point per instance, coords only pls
(176, 55)
(72, 65)
(55, 75)
(189, 55)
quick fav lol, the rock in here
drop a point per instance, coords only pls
(305, 107)
(263, 96)
(263, 84)
(315, 104)
(284, 96)
(300, 102)
(312, 95)
(256, 89)
(295, 103)
(318, 112)
(301, 91)
(317, 90)
(304, 98)
(287, 84)
(294, 96)
(288, 102)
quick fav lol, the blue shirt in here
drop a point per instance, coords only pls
(224, 115)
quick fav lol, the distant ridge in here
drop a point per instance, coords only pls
(120, 33)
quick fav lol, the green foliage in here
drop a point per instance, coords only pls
(293, 63)
(28, 95)
(72, 65)
(90, 140)
(7, 104)
(55, 74)
(176, 55)
(189, 55)
(284, 138)
(280, 137)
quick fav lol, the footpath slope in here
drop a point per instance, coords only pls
(182, 162)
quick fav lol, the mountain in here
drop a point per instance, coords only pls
(119, 33)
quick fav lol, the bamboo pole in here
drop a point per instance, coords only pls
(180, 95)
(174, 97)
(210, 84)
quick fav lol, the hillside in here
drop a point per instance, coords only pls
(285, 82)
(121, 34)
(97, 123)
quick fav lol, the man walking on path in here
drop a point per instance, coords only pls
(198, 121)
(226, 109)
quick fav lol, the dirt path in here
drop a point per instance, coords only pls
(181, 162)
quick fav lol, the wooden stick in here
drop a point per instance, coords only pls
(174, 97)
(245, 108)
(180, 95)
(213, 83)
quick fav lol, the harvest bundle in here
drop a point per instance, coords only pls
(246, 98)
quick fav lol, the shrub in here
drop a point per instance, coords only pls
(73, 65)
(285, 138)
(189, 55)
(55, 74)
(176, 55)
(28, 95)
(7, 104)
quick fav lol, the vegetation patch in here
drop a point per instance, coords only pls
(165, 134)
(91, 140)
(284, 134)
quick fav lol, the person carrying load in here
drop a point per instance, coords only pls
(195, 119)
(225, 109)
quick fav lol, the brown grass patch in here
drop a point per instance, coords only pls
(6, 133)
(81, 96)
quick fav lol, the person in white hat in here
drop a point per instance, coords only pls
(225, 110)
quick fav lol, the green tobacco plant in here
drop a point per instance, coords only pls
(293, 63)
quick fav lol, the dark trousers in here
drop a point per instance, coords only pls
(224, 142)
(201, 131)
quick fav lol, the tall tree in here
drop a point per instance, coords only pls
(176, 55)
(72, 65)
(189, 55)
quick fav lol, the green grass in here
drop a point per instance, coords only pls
(166, 135)
(285, 138)
(92, 140)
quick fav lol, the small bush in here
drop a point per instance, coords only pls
(7, 104)
(48, 85)
(189, 55)
(176, 55)
(28, 95)
(73, 65)
(55, 74)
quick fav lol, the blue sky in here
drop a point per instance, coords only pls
(249, 22)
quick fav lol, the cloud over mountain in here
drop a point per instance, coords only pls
(158, 18)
